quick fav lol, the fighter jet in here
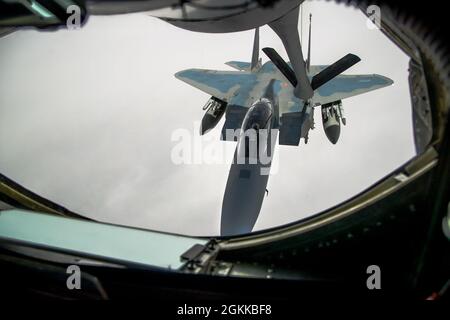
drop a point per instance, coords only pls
(260, 100)
(213, 16)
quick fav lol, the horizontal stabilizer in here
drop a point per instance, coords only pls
(334, 70)
(239, 65)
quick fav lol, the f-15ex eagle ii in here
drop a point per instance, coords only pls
(262, 101)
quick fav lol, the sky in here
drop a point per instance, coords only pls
(87, 119)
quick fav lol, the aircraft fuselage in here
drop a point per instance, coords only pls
(249, 172)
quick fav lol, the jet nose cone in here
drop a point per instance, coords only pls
(333, 133)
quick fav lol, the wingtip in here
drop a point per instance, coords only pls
(389, 81)
(178, 74)
(181, 73)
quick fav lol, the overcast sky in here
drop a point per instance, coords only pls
(86, 119)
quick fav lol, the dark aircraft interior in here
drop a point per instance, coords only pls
(401, 224)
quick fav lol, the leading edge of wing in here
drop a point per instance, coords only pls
(220, 84)
(345, 86)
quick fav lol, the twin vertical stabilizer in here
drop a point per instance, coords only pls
(256, 62)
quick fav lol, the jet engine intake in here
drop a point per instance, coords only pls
(215, 109)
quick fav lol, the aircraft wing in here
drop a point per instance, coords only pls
(220, 84)
(345, 86)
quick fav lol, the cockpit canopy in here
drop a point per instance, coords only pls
(258, 116)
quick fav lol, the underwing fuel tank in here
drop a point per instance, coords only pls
(215, 109)
(331, 119)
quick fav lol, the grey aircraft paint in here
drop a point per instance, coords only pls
(247, 182)
(236, 15)
(253, 85)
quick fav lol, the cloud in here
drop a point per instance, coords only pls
(87, 117)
